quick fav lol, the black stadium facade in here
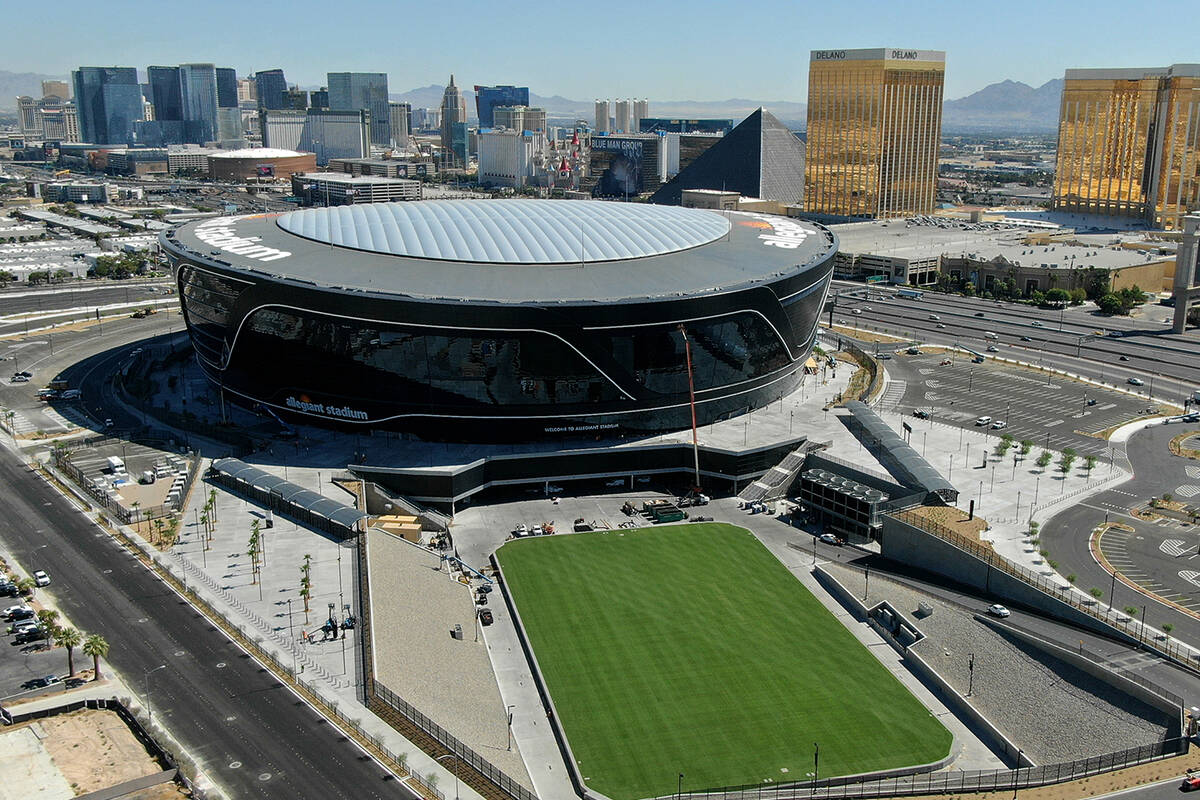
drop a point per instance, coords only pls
(495, 320)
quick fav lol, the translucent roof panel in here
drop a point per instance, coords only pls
(510, 231)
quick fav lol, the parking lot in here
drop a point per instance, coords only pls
(1159, 556)
(24, 664)
(1052, 411)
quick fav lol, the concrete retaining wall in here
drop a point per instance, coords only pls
(910, 545)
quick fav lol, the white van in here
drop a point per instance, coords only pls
(990, 335)
(983, 421)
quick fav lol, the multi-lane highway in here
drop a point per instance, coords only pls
(251, 735)
(1073, 339)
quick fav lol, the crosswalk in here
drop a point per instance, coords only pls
(892, 395)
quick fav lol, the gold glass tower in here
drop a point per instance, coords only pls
(1129, 142)
(874, 126)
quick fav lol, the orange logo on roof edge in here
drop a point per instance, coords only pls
(756, 224)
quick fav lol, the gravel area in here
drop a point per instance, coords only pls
(1050, 709)
(414, 606)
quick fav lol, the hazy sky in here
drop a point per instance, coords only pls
(661, 49)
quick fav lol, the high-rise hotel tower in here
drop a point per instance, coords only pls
(1129, 144)
(874, 125)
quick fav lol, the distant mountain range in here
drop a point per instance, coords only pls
(15, 84)
(1007, 106)
(559, 107)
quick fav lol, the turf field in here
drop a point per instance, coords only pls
(690, 649)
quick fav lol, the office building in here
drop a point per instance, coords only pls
(189, 159)
(622, 117)
(602, 121)
(59, 89)
(270, 86)
(227, 88)
(487, 98)
(335, 134)
(340, 189)
(1129, 144)
(399, 123)
(426, 119)
(454, 113)
(641, 110)
(759, 158)
(385, 167)
(282, 129)
(247, 92)
(198, 96)
(165, 93)
(27, 117)
(319, 98)
(109, 101)
(874, 127)
(508, 157)
(358, 91)
(295, 99)
(59, 123)
(520, 118)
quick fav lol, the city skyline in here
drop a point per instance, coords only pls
(1027, 43)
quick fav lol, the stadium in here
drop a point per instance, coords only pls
(503, 319)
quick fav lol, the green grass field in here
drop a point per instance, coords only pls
(690, 649)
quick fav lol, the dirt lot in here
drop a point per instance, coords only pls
(95, 749)
(953, 519)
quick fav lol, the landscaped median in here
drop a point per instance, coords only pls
(691, 650)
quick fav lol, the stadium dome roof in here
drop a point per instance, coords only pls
(510, 232)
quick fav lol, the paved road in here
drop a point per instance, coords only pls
(1066, 535)
(1169, 364)
(253, 737)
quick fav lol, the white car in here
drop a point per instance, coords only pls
(997, 610)
(983, 421)
(999, 425)
(1036, 324)
(41, 578)
(520, 530)
(70, 394)
(1136, 382)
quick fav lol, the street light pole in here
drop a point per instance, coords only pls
(149, 711)
(452, 755)
(509, 709)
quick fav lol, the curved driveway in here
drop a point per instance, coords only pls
(1067, 534)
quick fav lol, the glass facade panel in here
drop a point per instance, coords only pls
(416, 366)
(1128, 142)
(208, 300)
(725, 350)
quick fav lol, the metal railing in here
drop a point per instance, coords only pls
(956, 781)
(1118, 622)
(468, 756)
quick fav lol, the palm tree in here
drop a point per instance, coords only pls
(48, 618)
(95, 646)
(26, 585)
(70, 639)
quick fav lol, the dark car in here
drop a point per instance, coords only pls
(979, 313)
(34, 635)
(921, 413)
(485, 616)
